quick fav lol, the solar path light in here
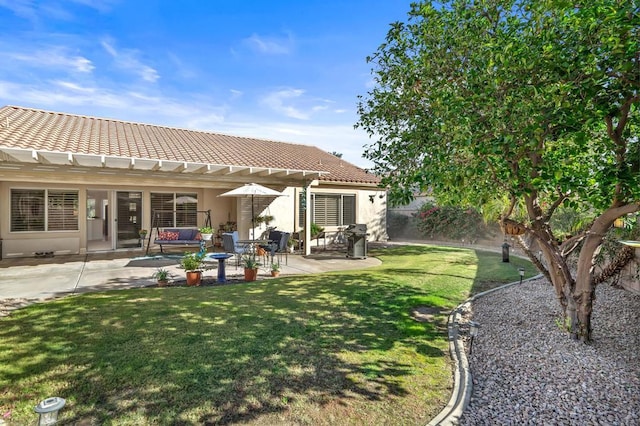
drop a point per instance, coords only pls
(473, 332)
(48, 410)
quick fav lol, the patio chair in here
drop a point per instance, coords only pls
(230, 245)
(278, 245)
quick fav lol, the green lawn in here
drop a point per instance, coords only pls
(338, 348)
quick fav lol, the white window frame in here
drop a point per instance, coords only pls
(340, 213)
(47, 209)
(172, 207)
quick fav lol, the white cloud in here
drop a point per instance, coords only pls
(277, 101)
(181, 68)
(236, 94)
(56, 57)
(100, 101)
(21, 8)
(74, 87)
(190, 110)
(99, 5)
(342, 138)
(293, 104)
(270, 45)
(36, 11)
(53, 95)
(127, 59)
(210, 120)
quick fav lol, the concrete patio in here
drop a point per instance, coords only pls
(45, 278)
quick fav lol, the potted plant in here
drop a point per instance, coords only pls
(192, 264)
(162, 277)
(291, 244)
(268, 219)
(316, 230)
(275, 269)
(250, 267)
(206, 232)
(143, 233)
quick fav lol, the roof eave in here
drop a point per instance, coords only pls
(56, 158)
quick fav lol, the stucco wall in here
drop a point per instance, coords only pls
(284, 209)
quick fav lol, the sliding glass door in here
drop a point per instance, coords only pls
(128, 218)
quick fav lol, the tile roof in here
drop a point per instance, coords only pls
(35, 129)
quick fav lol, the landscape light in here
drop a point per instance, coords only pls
(473, 332)
(48, 410)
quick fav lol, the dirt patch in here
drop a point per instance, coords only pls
(427, 313)
(9, 305)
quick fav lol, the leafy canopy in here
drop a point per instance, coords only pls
(478, 101)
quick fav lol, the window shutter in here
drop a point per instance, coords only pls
(172, 214)
(348, 209)
(162, 206)
(27, 210)
(62, 211)
(326, 209)
(187, 213)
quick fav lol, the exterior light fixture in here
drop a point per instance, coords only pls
(371, 197)
(473, 332)
(48, 410)
(521, 271)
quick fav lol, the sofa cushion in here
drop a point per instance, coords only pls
(188, 234)
(169, 236)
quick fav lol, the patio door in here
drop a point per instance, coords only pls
(99, 227)
(128, 218)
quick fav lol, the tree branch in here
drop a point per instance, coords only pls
(555, 205)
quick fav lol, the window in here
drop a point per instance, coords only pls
(29, 212)
(330, 209)
(174, 210)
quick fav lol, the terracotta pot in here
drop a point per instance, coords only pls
(194, 278)
(250, 274)
(163, 283)
(275, 273)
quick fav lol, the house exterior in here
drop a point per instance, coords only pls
(72, 184)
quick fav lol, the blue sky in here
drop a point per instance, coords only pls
(281, 69)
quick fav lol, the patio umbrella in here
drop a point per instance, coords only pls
(184, 199)
(252, 190)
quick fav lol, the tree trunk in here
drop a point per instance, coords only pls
(585, 283)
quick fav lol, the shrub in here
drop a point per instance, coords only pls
(400, 225)
(450, 222)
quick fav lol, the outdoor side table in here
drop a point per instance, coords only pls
(220, 257)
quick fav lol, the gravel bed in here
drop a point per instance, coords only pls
(526, 371)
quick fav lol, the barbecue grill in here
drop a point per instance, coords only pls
(356, 240)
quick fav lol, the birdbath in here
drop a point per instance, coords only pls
(220, 257)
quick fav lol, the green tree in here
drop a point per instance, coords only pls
(532, 101)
